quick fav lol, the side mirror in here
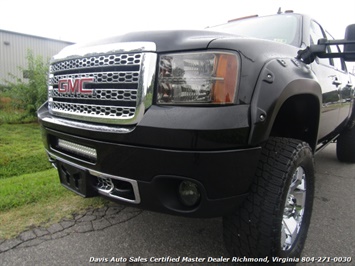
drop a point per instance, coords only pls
(320, 50)
(349, 49)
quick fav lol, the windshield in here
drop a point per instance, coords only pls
(279, 28)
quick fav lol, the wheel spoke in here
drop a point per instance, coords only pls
(291, 226)
(297, 179)
(294, 209)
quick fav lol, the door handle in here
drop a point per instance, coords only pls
(336, 81)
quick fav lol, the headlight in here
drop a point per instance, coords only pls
(198, 78)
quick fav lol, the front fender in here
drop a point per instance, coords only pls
(279, 80)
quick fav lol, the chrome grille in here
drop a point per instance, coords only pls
(101, 77)
(120, 78)
(98, 61)
(100, 94)
(104, 184)
(86, 110)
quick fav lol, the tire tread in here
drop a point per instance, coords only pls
(250, 231)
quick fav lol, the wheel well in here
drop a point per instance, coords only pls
(298, 118)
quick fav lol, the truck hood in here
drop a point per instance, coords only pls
(165, 41)
(172, 40)
(177, 41)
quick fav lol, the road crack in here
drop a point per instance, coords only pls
(90, 221)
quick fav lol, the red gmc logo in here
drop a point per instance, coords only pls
(74, 86)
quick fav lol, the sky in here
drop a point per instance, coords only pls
(81, 21)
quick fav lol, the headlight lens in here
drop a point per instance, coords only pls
(198, 78)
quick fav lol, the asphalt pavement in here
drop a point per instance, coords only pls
(118, 235)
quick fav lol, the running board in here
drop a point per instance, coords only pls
(324, 144)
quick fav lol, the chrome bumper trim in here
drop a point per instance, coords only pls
(87, 126)
(133, 183)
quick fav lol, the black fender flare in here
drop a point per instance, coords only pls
(279, 80)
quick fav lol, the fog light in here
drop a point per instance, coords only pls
(189, 193)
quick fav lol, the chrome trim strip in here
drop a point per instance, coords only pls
(145, 85)
(54, 158)
(77, 51)
(91, 127)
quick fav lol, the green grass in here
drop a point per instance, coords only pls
(37, 199)
(21, 150)
(10, 114)
(30, 191)
(17, 116)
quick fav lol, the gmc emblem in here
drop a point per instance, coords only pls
(75, 86)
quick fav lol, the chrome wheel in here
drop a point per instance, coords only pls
(294, 209)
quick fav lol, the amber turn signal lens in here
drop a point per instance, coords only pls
(224, 88)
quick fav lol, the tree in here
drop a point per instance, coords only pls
(30, 94)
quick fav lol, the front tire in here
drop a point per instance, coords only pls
(274, 219)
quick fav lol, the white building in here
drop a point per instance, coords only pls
(14, 48)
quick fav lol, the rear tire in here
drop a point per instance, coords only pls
(274, 219)
(346, 146)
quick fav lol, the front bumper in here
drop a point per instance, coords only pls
(149, 177)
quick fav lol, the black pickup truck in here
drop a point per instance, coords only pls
(219, 122)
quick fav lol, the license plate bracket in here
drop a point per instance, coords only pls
(77, 180)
